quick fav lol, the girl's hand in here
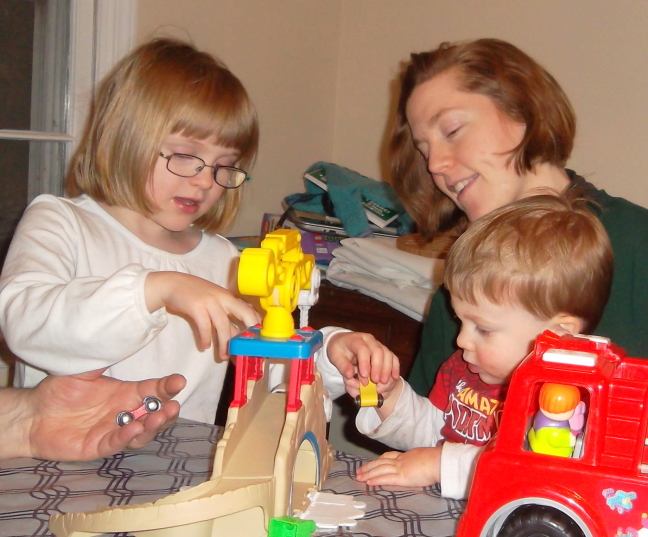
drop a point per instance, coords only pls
(73, 418)
(349, 351)
(419, 467)
(210, 306)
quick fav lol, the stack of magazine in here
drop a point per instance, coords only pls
(320, 223)
(379, 217)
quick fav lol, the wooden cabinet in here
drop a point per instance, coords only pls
(353, 310)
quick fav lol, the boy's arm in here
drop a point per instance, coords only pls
(417, 467)
(457, 467)
(331, 378)
(415, 425)
(414, 422)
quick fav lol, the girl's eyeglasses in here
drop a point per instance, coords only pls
(190, 166)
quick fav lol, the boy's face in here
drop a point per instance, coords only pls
(496, 338)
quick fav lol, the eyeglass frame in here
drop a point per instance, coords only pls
(215, 167)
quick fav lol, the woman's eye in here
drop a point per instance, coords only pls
(453, 132)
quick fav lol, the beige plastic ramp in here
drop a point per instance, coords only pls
(264, 465)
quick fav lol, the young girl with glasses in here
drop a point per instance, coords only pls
(128, 273)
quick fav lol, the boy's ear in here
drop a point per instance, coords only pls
(566, 324)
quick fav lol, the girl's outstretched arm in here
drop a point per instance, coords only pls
(210, 306)
(72, 292)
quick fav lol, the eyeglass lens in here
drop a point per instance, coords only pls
(190, 166)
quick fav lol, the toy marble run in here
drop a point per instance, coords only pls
(574, 455)
(274, 448)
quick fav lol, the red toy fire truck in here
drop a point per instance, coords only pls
(591, 479)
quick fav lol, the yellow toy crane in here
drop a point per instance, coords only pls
(276, 272)
(274, 448)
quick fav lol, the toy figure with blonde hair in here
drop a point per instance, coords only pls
(560, 419)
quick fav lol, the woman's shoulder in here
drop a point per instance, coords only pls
(621, 217)
(619, 207)
(625, 221)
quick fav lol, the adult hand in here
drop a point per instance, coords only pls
(210, 306)
(74, 417)
(419, 467)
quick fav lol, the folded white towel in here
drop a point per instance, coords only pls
(375, 267)
(379, 258)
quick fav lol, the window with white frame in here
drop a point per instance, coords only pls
(51, 54)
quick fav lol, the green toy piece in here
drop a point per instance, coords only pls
(287, 526)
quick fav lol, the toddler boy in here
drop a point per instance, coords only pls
(541, 263)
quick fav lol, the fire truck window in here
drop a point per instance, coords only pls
(557, 424)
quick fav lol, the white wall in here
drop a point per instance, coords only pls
(595, 48)
(322, 75)
(286, 55)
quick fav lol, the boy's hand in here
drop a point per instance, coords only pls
(210, 306)
(419, 467)
(352, 386)
(349, 351)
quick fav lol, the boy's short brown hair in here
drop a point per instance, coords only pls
(163, 87)
(519, 87)
(545, 253)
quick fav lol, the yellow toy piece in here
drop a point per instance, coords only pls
(368, 396)
(269, 457)
(555, 441)
(276, 272)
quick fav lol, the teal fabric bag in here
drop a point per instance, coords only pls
(351, 194)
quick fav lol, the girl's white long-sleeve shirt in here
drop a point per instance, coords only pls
(72, 300)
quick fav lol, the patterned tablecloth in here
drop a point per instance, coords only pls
(31, 489)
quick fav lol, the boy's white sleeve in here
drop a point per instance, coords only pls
(457, 467)
(415, 422)
(58, 321)
(331, 377)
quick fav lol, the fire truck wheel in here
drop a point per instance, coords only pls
(539, 520)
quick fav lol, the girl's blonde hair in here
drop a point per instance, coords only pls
(163, 87)
(545, 253)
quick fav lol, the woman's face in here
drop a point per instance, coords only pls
(466, 142)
